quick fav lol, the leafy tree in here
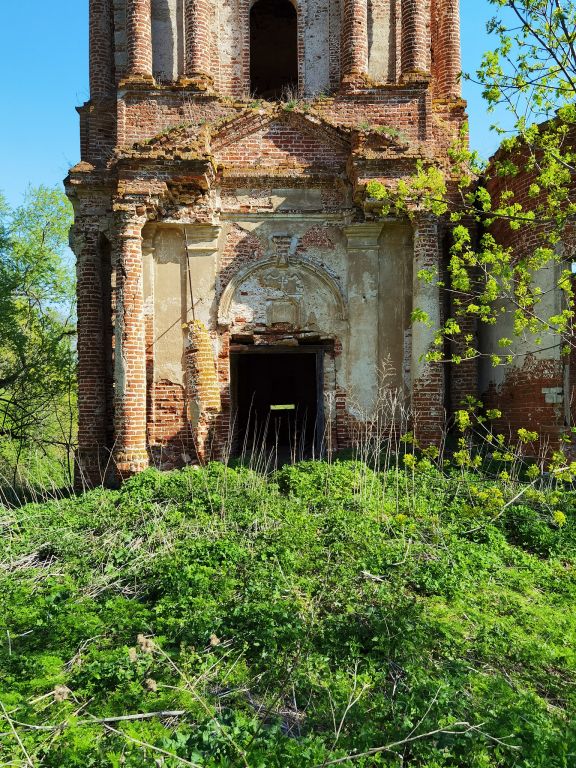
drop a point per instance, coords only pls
(530, 78)
(37, 328)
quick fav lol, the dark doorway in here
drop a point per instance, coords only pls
(273, 48)
(278, 401)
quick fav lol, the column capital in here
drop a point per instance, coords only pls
(148, 240)
(84, 233)
(421, 217)
(201, 239)
(364, 235)
(129, 222)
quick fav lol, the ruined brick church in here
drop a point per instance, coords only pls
(235, 282)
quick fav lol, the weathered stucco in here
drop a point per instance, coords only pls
(345, 283)
(382, 33)
(168, 39)
(237, 224)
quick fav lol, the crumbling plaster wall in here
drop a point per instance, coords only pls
(171, 304)
(382, 37)
(168, 39)
(300, 281)
(530, 389)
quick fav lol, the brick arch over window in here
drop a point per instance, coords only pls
(274, 48)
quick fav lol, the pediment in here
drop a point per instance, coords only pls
(272, 141)
(280, 139)
(277, 139)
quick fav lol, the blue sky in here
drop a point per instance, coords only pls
(44, 76)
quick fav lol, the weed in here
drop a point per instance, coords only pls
(223, 616)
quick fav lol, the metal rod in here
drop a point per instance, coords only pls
(189, 276)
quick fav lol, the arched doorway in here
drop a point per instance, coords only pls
(273, 49)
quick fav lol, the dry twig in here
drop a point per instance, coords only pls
(464, 726)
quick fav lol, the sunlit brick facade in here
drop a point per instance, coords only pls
(223, 233)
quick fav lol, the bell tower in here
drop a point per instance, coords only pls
(221, 205)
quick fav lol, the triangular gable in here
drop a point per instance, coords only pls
(274, 138)
(280, 139)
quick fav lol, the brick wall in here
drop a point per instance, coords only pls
(533, 391)
(363, 64)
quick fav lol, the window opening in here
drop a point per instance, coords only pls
(273, 49)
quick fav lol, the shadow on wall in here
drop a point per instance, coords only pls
(167, 39)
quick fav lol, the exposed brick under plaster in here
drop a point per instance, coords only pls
(537, 391)
(276, 188)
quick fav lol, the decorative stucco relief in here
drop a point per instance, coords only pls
(298, 294)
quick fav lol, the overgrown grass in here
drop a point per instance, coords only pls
(30, 474)
(409, 617)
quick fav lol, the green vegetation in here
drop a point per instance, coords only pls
(529, 80)
(37, 343)
(425, 617)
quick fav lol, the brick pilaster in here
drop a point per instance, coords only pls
(355, 39)
(428, 388)
(130, 452)
(416, 42)
(463, 377)
(139, 39)
(447, 63)
(197, 22)
(91, 456)
(101, 50)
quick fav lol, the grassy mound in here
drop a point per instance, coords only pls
(326, 615)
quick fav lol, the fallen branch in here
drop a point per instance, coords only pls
(163, 715)
(146, 745)
(464, 726)
(16, 736)
(513, 501)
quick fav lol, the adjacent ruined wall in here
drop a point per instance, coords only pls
(530, 391)
(535, 391)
